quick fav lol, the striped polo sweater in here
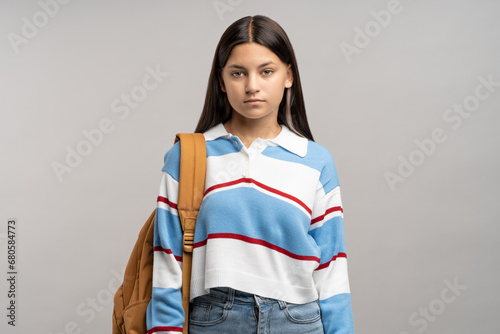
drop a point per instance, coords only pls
(270, 223)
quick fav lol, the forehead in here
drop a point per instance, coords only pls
(252, 54)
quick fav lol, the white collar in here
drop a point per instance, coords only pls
(286, 139)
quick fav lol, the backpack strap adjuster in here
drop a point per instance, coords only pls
(188, 241)
(188, 238)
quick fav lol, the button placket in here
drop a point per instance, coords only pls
(246, 166)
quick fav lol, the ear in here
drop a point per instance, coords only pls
(221, 82)
(289, 77)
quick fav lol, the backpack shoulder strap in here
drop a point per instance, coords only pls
(191, 192)
(191, 178)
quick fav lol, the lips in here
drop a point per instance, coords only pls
(253, 100)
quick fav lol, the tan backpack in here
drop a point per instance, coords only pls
(132, 297)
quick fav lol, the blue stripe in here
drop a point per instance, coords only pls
(331, 238)
(165, 308)
(336, 313)
(222, 146)
(249, 212)
(168, 231)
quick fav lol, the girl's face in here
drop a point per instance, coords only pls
(254, 79)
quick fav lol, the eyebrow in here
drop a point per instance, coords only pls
(243, 67)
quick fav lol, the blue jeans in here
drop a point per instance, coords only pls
(229, 311)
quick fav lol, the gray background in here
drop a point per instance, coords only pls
(405, 243)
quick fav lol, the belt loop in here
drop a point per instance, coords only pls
(282, 304)
(230, 299)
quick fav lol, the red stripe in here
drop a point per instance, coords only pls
(165, 329)
(165, 200)
(257, 242)
(200, 243)
(325, 265)
(263, 186)
(330, 210)
(168, 251)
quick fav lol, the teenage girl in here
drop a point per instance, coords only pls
(269, 253)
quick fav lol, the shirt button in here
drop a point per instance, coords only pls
(260, 146)
(244, 173)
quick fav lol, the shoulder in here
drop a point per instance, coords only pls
(325, 163)
(171, 161)
(319, 153)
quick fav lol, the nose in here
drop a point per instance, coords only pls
(252, 84)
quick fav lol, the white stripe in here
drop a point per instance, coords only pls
(169, 189)
(225, 168)
(330, 200)
(332, 280)
(325, 219)
(252, 268)
(167, 271)
(294, 178)
(165, 206)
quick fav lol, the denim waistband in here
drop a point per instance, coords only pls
(237, 296)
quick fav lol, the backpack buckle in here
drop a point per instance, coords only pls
(188, 241)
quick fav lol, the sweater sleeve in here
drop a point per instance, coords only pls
(165, 313)
(331, 276)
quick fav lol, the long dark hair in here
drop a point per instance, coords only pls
(264, 31)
